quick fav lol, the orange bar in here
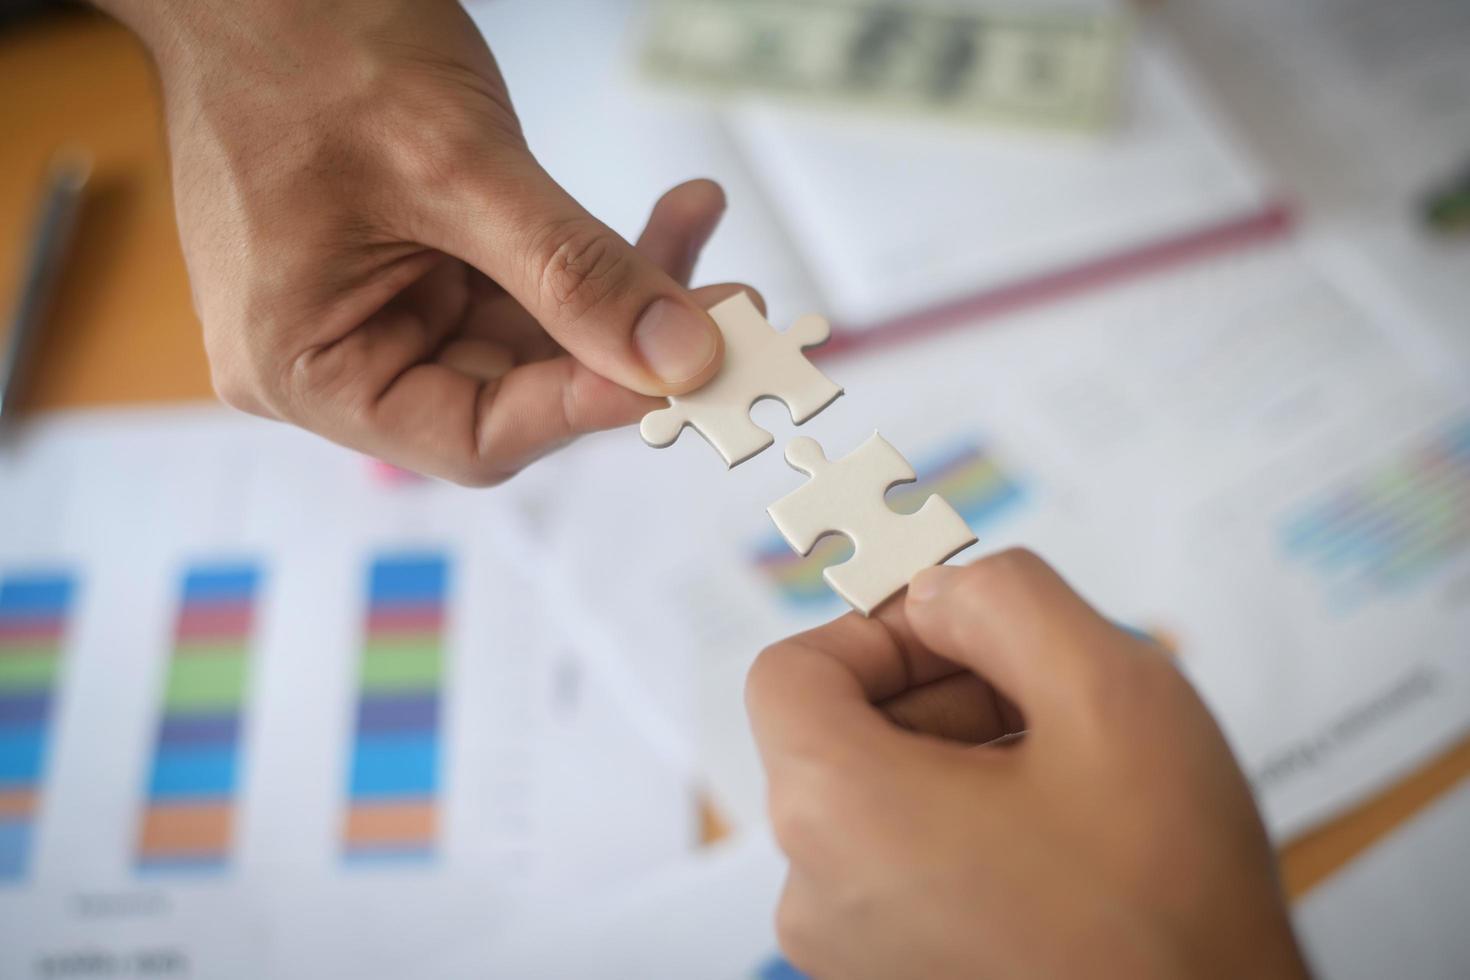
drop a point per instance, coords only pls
(370, 824)
(172, 829)
(17, 802)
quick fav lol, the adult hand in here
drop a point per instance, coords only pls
(1116, 838)
(376, 255)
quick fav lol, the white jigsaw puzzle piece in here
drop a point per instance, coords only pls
(846, 497)
(760, 362)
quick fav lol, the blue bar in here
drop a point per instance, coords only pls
(24, 708)
(197, 864)
(375, 854)
(15, 847)
(221, 583)
(21, 752)
(192, 773)
(211, 729)
(37, 595)
(381, 714)
(392, 766)
(408, 580)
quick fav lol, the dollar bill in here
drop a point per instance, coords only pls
(982, 64)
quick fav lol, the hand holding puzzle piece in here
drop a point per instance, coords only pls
(843, 496)
(846, 496)
(760, 362)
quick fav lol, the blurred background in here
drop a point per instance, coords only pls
(1176, 293)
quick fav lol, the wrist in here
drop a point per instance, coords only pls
(162, 26)
(184, 38)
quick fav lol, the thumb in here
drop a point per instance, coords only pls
(1013, 620)
(606, 304)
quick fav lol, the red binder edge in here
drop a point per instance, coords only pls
(1273, 221)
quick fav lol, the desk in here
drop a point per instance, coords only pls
(124, 329)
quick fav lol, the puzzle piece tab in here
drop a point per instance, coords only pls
(846, 496)
(760, 362)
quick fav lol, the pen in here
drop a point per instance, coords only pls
(50, 237)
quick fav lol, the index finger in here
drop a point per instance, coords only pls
(383, 390)
(418, 385)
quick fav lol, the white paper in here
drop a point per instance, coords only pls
(711, 916)
(864, 218)
(898, 216)
(1118, 419)
(535, 756)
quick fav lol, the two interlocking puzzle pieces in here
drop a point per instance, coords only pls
(844, 496)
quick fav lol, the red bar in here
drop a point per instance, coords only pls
(200, 621)
(406, 619)
(1274, 221)
(27, 630)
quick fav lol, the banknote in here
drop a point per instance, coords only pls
(979, 63)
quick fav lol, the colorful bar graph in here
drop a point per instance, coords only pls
(964, 474)
(34, 609)
(1389, 527)
(393, 778)
(189, 802)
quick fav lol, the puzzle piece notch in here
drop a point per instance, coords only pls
(760, 362)
(845, 496)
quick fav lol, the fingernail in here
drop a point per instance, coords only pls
(930, 582)
(675, 341)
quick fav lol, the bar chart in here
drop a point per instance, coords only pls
(394, 771)
(187, 820)
(34, 609)
(1386, 528)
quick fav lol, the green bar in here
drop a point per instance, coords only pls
(401, 665)
(205, 682)
(29, 648)
(230, 649)
(28, 668)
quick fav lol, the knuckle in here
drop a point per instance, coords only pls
(799, 819)
(479, 474)
(1127, 682)
(1004, 583)
(795, 932)
(230, 387)
(1104, 691)
(581, 264)
(433, 151)
(1153, 678)
(441, 160)
(817, 805)
(1014, 569)
(234, 384)
(488, 466)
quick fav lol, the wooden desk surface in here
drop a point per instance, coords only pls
(124, 330)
